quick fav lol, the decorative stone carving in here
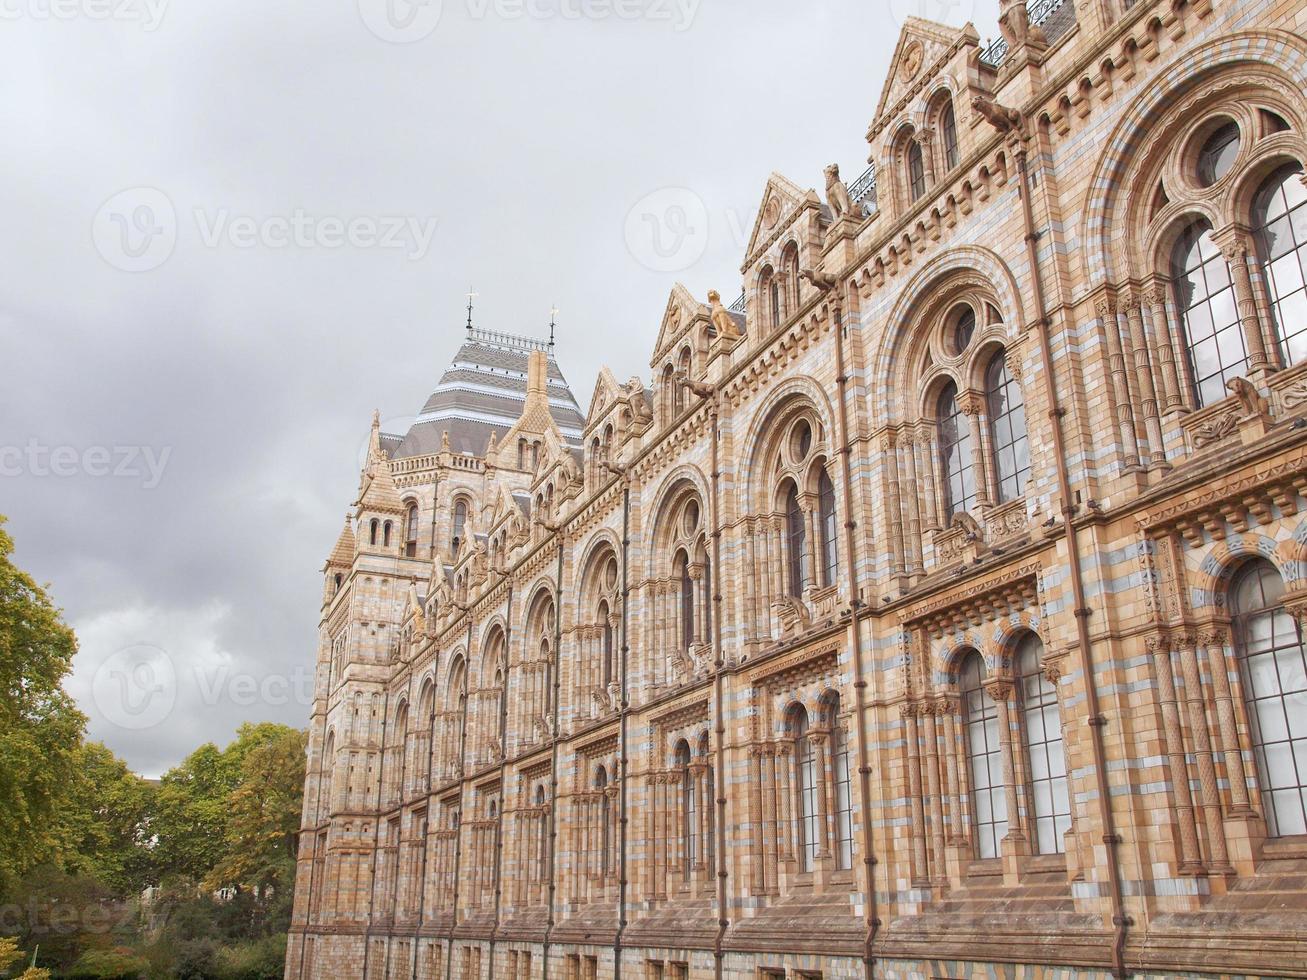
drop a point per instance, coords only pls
(837, 192)
(722, 320)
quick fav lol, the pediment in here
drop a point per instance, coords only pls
(607, 391)
(780, 200)
(922, 43)
(682, 310)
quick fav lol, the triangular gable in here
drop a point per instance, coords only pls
(921, 45)
(780, 199)
(343, 553)
(607, 391)
(682, 310)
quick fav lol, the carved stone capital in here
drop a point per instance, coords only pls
(999, 690)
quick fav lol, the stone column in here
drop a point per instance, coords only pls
(1196, 703)
(784, 767)
(1000, 692)
(1235, 247)
(756, 823)
(972, 405)
(1125, 419)
(910, 712)
(1164, 337)
(1160, 648)
(1144, 372)
(909, 497)
(889, 455)
(950, 713)
(928, 716)
(820, 742)
(924, 451)
(770, 792)
(1219, 658)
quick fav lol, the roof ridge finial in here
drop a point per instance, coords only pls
(470, 296)
(553, 319)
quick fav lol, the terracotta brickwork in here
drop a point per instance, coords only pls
(934, 615)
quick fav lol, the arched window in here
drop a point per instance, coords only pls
(411, 532)
(805, 781)
(1007, 425)
(605, 821)
(1280, 220)
(540, 868)
(826, 513)
(984, 762)
(687, 602)
(796, 532)
(709, 816)
(689, 809)
(948, 128)
(839, 759)
(1218, 154)
(1041, 724)
(1205, 299)
(459, 526)
(957, 458)
(372, 531)
(916, 170)
(707, 597)
(678, 389)
(774, 299)
(605, 624)
(1274, 671)
(385, 534)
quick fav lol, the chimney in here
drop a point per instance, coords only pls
(537, 374)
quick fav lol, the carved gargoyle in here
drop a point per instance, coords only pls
(1253, 403)
(970, 529)
(722, 320)
(821, 281)
(793, 615)
(1001, 117)
(837, 192)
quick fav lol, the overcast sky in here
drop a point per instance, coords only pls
(231, 230)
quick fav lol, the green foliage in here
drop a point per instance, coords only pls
(40, 726)
(104, 827)
(116, 963)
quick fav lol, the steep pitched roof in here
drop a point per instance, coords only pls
(779, 198)
(377, 490)
(483, 391)
(343, 553)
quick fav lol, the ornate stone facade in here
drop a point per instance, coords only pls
(936, 614)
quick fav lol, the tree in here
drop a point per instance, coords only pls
(40, 726)
(103, 829)
(264, 813)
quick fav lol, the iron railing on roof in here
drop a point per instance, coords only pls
(738, 305)
(864, 188)
(1039, 11)
(507, 339)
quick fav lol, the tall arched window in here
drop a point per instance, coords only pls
(411, 532)
(606, 626)
(1274, 670)
(1280, 220)
(916, 170)
(707, 598)
(774, 299)
(826, 515)
(687, 602)
(459, 526)
(1007, 424)
(957, 458)
(605, 821)
(984, 762)
(1041, 724)
(805, 781)
(689, 809)
(709, 816)
(796, 532)
(948, 128)
(1205, 298)
(385, 534)
(372, 531)
(839, 760)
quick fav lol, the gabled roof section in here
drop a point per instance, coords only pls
(682, 310)
(343, 554)
(484, 390)
(377, 490)
(607, 391)
(780, 198)
(922, 43)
